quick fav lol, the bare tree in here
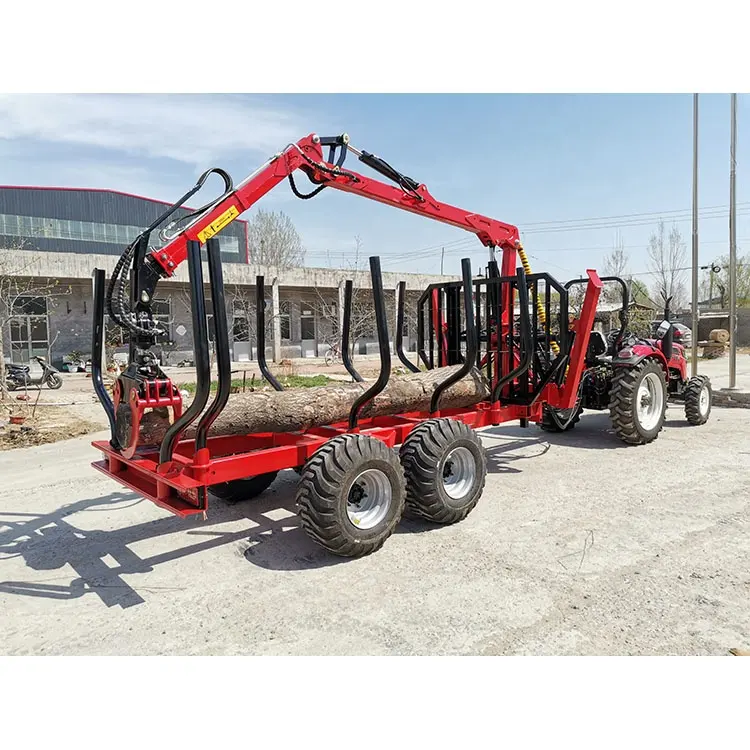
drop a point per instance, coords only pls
(362, 319)
(244, 314)
(274, 241)
(616, 261)
(667, 253)
(615, 264)
(18, 283)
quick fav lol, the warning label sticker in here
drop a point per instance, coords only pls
(218, 224)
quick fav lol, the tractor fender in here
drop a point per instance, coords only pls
(629, 356)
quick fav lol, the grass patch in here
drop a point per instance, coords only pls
(290, 381)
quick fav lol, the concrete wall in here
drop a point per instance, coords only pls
(79, 266)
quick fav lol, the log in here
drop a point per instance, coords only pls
(301, 408)
(712, 349)
(719, 335)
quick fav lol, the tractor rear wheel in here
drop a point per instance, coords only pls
(351, 495)
(638, 402)
(698, 396)
(243, 489)
(446, 468)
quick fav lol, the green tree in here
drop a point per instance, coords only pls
(718, 286)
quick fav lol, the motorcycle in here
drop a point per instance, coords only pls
(20, 376)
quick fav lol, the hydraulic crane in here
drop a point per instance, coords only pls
(142, 384)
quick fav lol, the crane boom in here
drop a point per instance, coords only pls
(307, 156)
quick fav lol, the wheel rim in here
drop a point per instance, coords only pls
(704, 401)
(650, 401)
(459, 473)
(369, 499)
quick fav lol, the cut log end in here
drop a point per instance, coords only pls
(719, 335)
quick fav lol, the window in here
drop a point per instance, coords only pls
(28, 305)
(229, 245)
(286, 329)
(28, 227)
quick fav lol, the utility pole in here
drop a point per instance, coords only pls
(442, 258)
(733, 251)
(694, 352)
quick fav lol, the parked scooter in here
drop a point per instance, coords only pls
(20, 376)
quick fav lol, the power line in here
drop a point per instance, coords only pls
(464, 243)
(617, 225)
(626, 216)
(565, 225)
(583, 225)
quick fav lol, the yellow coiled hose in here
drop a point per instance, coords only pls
(539, 306)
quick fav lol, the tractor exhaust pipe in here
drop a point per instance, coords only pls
(668, 340)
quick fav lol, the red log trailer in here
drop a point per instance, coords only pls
(511, 325)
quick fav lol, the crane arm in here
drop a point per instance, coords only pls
(307, 156)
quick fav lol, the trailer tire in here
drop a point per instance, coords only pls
(431, 449)
(631, 409)
(243, 489)
(351, 495)
(698, 396)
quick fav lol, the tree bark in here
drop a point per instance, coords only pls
(300, 408)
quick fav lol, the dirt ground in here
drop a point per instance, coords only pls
(580, 545)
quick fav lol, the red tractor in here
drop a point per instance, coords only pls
(634, 378)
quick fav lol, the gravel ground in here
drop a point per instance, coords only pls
(580, 545)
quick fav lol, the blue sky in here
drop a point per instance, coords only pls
(521, 159)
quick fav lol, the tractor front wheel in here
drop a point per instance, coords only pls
(698, 396)
(560, 420)
(638, 402)
(445, 467)
(351, 495)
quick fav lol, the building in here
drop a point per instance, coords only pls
(72, 220)
(55, 237)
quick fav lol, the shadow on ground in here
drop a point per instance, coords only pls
(594, 431)
(271, 538)
(269, 535)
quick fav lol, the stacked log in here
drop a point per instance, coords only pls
(302, 408)
(717, 344)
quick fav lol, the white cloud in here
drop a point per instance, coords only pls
(192, 129)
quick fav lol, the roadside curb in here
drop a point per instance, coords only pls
(738, 400)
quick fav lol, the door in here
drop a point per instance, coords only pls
(29, 329)
(307, 331)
